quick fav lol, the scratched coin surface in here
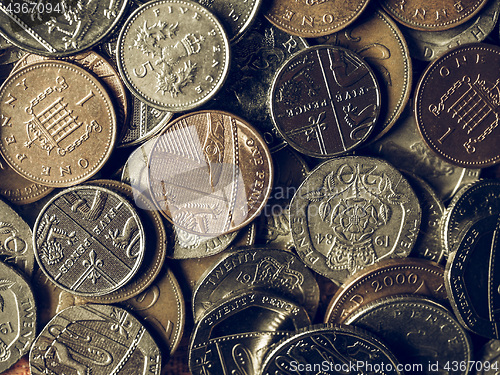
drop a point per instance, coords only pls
(16, 240)
(432, 15)
(173, 54)
(18, 317)
(378, 40)
(89, 240)
(58, 28)
(456, 106)
(95, 339)
(210, 173)
(312, 18)
(325, 101)
(310, 347)
(58, 123)
(472, 278)
(417, 330)
(273, 270)
(351, 212)
(161, 307)
(387, 278)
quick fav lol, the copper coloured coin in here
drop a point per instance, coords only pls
(210, 173)
(313, 18)
(457, 106)
(58, 123)
(325, 101)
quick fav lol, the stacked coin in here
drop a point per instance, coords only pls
(192, 186)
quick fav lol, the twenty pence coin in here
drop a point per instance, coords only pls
(351, 212)
(210, 173)
(58, 123)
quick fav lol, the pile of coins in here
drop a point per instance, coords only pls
(249, 187)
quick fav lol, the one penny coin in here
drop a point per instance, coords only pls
(58, 123)
(456, 106)
(325, 101)
(89, 240)
(210, 173)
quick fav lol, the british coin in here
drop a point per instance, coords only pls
(89, 240)
(16, 238)
(22, 367)
(313, 18)
(58, 123)
(96, 339)
(387, 278)
(455, 106)
(404, 148)
(18, 324)
(272, 270)
(331, 348)
(236, 16)
(172, 54)
(351, 212)
(472, 203)
(325, 101)
(488, 359)
(377, 39)
(417, 330)
(101, 68)
(58, 28)
(471, 278)
(238, 319)
(210, 173)
(429, 45)
(156, 238)
(274, 221)
(11, 55)
(432, 15)
(429, 244)
(255, 60)
(161, 307)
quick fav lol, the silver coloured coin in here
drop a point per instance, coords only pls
(89, 240)
(172, 54)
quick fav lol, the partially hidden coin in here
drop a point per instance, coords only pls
(95, 339)
(432, 15)
(330, 349)
(488, 359)
(18, 317)
(89, 240)
(351, 212)
(471, 278)
(59, 28)
(22, 367)
(58, 123)
(404, 148)
(239, 319)
(16, 238)
(420, 332)
(161, 307)
(156, 241)
(210, 173)
(429, 45)
(312, 18)
(325, 101)
(172, 54)
(273, 270)
(472, 203)
(378, 40)
(387, 278)
(455, 105)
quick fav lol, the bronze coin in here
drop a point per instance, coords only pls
(58, 123)
(456, 106)
(325, 101)
(89, 240)
(22, 367)
(313, 18)
(387, 278)
(210, 173)
(432, 15)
